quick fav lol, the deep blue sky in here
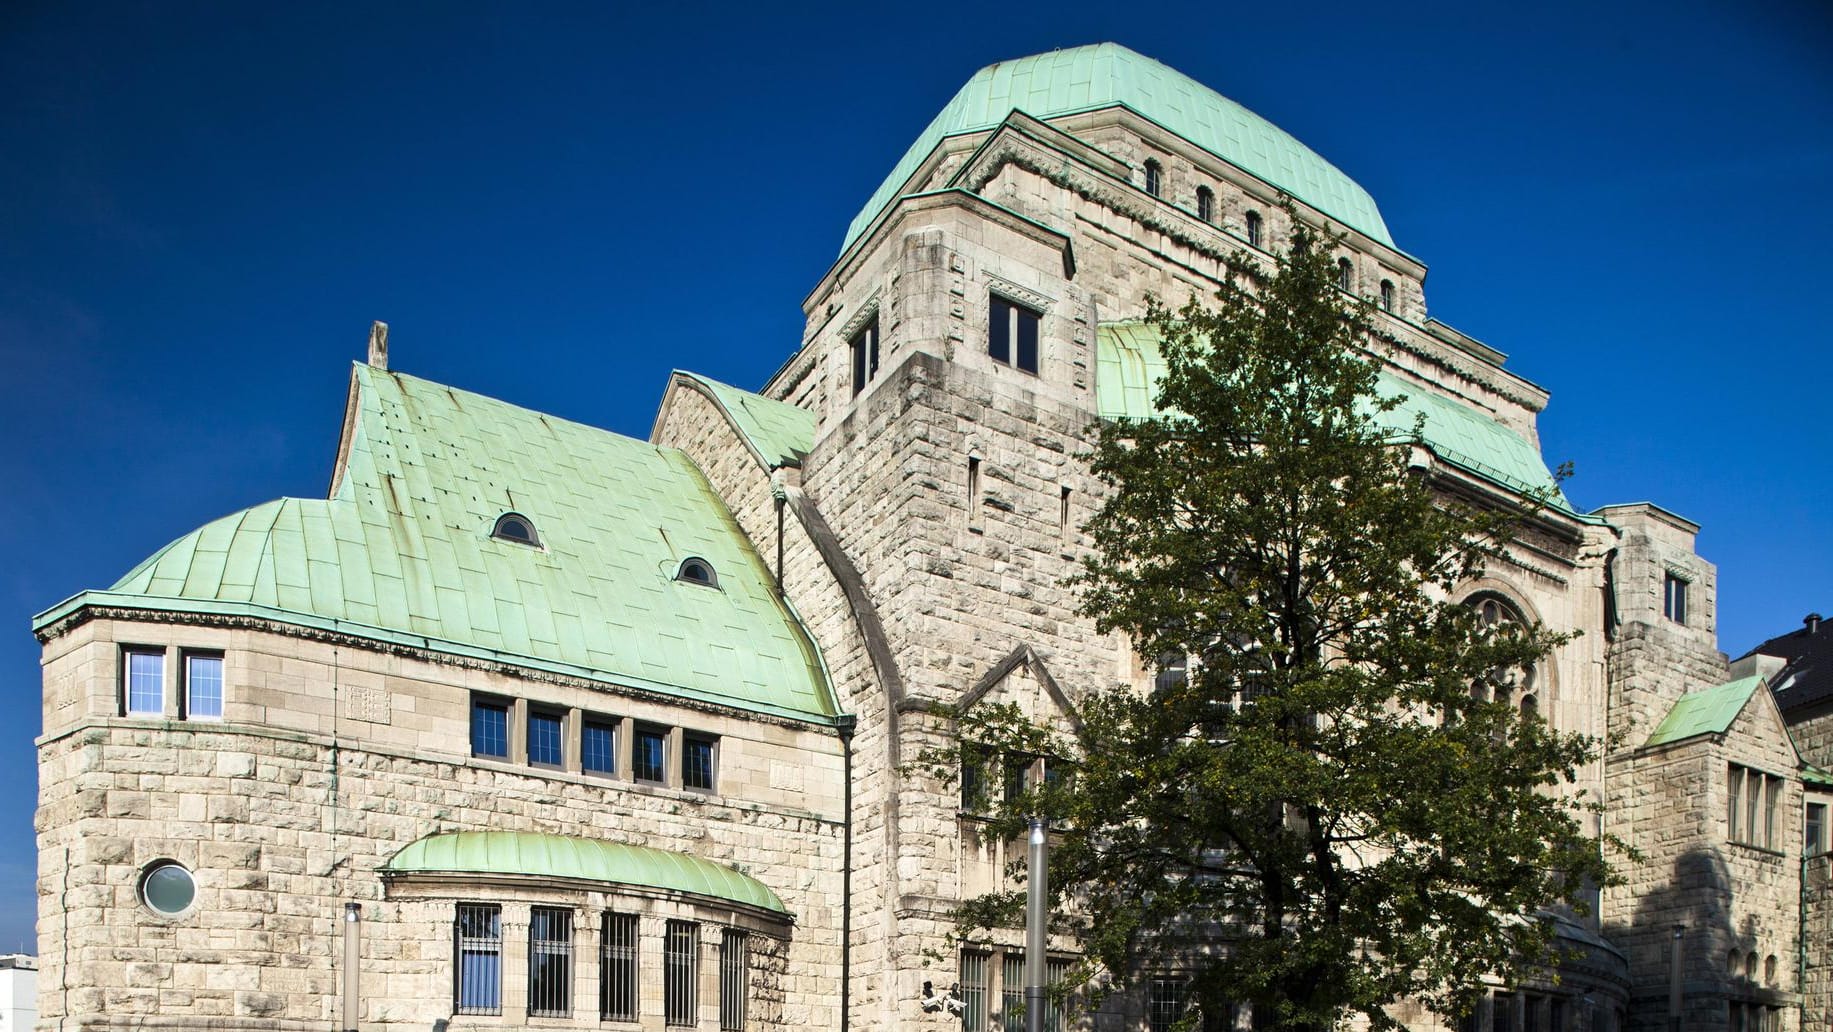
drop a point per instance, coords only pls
(202, 207)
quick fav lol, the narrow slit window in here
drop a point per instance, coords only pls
(513, 526)
(1063, 525)
(1253, 228)
(973, 493)
(617, 987)
(863, 349)
(1387, 295)
(1206, 204)
(1155, 175)
(1345, 274)
(550, 962)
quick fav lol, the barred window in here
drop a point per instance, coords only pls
(974, 991)
(477, 970)
(1012, 993)
(1166, 1003)
(550, 962)
(681, 973)
(617, 992)
(1055, 1018)
(734, 979)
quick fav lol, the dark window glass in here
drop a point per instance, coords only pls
(681, 973)
(1173, 671)
(544, 738)
(477, 939)
(864, 349)
(697, 571)
(1154, 175)
(511, 527)
(1502, 1013)
(734, 979)
(1012, 334)
(1387, 295)
(550, 962)
(974, 761)
(1815, 834)
(1018, 775)
(1253, 228)
(1674, 599)
(1344, 272)
(489, 728)
(1166, 1003)
(697, 763)
(1206, 204)
(649, 757)
(617, 987)
(598, 747)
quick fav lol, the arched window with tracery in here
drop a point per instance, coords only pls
(1518, 687)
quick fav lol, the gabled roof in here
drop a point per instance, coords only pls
(1806, 677)
(779, 432)
(403, 551)
(538, 855)
(1105, 75)
(1128, 366)
(1706, 712)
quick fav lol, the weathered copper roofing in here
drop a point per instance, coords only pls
(533, 854)
(1105, 75)
(1709, 711)
(403, 551)
(779, 431)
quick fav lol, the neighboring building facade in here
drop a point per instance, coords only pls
(18, 993)
(548, 727)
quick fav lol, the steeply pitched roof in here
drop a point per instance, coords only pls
(403, 551)
(539, 855)
(1806, 677)
(1105, 75)
(1706, 712)
(1128, 366)
(779, 431)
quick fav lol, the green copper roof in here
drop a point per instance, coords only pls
(1128, 366)
(781, 432)
(560, 856)
(1707, 712)
(1104, 75)
(403, 550)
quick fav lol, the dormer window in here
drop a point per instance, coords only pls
(1154, 178)
(1206, 204)
(1344, 272)
(1253, 228)
(513, 526)
(697, 571)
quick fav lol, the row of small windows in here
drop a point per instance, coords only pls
(143, 687)
(517, 528)
(1523, 1012)
(477, 967)
(1752, 801)
(658, 755)
(1739, 964)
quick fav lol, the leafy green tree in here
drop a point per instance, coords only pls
(1327, 802)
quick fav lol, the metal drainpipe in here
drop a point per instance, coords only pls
(1801, 945)
(845, 724)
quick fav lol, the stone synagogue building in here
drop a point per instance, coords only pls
(527, 724)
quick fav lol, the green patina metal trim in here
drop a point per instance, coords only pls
(782, 433)
(1706, 712)
(1128, 366)
(403, 552)
(537, 855)
(1104, 75)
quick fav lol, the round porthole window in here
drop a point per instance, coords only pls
(167, 888)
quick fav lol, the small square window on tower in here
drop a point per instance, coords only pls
(1012, 332)
(1674, 598)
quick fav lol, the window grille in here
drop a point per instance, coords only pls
(974, 991)
(681, 973)
(1166, 1004)
(1012, 993)
(1054, 1008)
(617, 986)
(734, 979)
(477, 942)
(550, 962)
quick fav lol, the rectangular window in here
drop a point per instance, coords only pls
(1012, 332)
(1674, 599)
(1012, 993)
(1173, 672)
(974, 991)
(1814, 833)
(143, 683)
(489, 728)
(973, 493)
(1534, 1013)
(864, 350)
(203, 694)
(697, 763)
(734, 979)
(544, 738)
(598, 747)
(1063, 527)
(1165, 1003)
(550, 962)
(1502, 1013)
(681, 973)
(617, 979)
(974, 760)
(1734, 812)
(649, 757)
(1556, 1020)
(477, 969)
(1055, 1008)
